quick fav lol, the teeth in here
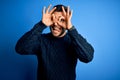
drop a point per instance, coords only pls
(55, 28)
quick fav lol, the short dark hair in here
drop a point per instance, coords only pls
(59, 8)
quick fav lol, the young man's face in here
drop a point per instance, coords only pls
(56, 29)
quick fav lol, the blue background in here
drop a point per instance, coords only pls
(97, 20)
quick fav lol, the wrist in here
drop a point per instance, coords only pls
(44, 23)
(72, 27)
(69, 25)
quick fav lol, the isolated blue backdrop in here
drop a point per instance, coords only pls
(97, 20)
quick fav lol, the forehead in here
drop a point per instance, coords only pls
(58, 14)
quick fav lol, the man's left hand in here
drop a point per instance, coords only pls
(65, 21)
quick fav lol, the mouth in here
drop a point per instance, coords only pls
(56, 29)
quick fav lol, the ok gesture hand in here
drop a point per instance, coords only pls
(65, 21)
(47, 15)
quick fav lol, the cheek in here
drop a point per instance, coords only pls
(60, 30)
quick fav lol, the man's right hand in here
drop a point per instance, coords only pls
(47, 15)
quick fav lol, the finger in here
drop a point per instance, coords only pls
(52, 10)
(68, 10)
(71, 12)
(61, 19)
(43, 11)
(63, 11)
(61, 24)
(48, 8)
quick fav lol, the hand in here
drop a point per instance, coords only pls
(47, 15)
(65, 21)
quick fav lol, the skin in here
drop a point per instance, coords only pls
(57, 20)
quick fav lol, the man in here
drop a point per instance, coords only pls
(57, 52)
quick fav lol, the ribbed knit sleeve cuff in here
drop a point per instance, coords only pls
(73, 32)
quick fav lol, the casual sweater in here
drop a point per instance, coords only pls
(57, 57)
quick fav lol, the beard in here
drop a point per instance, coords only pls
(52, 27)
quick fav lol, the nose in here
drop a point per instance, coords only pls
(55, 23)
(55, 20)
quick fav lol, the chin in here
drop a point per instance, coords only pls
(55, 35)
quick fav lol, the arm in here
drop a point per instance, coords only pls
(82, 48)
(29, 42)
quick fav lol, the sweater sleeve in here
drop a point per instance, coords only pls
(29, 43)
(82, 48)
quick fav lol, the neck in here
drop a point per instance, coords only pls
(61, 36)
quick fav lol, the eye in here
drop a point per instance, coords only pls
(51, 18)
(62, 20)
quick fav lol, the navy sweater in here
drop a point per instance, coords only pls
(57, 57)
